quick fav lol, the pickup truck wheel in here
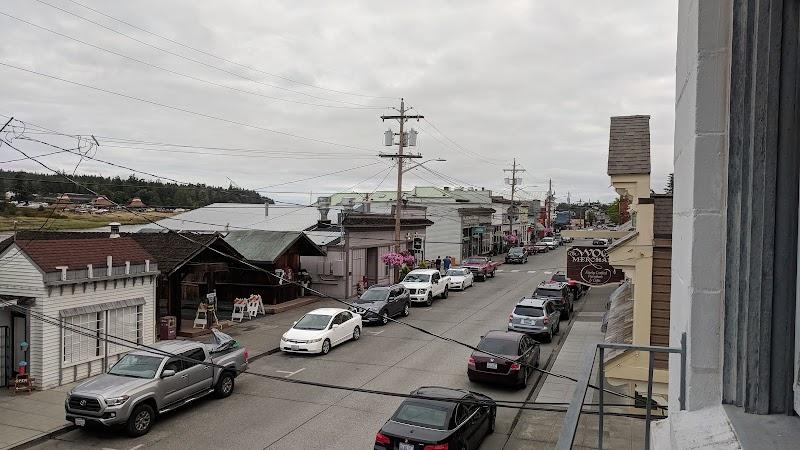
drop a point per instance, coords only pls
(225, 384)
(446, 292)
(429, 301)
(141, 420)
(491, 274)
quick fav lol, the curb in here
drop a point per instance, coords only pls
(44, 437)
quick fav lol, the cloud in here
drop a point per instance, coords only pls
(532, 80)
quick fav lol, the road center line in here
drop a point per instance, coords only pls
(289, 374)
(137, 447)
(531, 271)
(375, 333)
(515, 271)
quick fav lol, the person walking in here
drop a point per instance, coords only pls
(446, 263)
(438, 263)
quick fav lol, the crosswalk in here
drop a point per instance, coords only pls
(518, 270)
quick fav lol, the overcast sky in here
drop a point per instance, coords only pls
(535, 80)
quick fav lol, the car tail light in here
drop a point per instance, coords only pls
(471, 361)
(516, 366)
(546, 320)
(437, 447)
(246, 354)
(510, 317)
(382, 439)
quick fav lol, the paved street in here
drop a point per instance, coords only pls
(270, 414)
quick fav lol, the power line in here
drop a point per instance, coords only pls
(180, 109)
(175, 72)
(196, 61)
(225, 59)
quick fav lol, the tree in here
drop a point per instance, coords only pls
(590, 217)
(613, 211)
(670, 183)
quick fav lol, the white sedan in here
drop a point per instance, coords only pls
(460, 278)
(321, 329)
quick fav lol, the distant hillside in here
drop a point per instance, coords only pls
(45, 187)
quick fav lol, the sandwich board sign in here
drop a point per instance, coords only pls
(589, 266)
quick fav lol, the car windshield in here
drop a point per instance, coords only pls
(137, 366)
(474, 261)
(417, 278)
(373, 295)
(455, 273)
(516, 251)
(547, 239)
(530, 311)
(498, 346)
(560, 277)
(420, 414)
(312, 322)
(548, 292)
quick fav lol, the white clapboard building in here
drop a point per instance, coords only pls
(97, 287)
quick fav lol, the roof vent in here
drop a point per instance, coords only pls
(114, 230)
(348, 202)
(324, 206)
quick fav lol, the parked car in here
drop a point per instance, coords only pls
(480, 266)
(559, 293)
(378, 303)
(320, 330)
(537, 316)
(523, 352)
(143, 384)
(569, 239)
(426, 284)
(442, 425)
(559, 239)
(550, 242)
(541, 247)
(460, 278)
(577, 289)
(600, 242)
(517, 255)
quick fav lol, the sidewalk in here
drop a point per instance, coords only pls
(26, 417)
(540, 429)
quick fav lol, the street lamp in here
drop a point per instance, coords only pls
(423, 162)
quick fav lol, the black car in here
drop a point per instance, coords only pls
(378, 303)
(559, 293)
(517, 255)
(519, 352)
(441, 425)
(577, 289)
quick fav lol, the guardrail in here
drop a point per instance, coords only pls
(573, 415)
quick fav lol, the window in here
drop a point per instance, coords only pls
(346, 316)
(84, 335)
(82, 338)
(197, 354)
(463, 411)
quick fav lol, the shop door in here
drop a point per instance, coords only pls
(5, 356)
(19, 334)
(372, 265)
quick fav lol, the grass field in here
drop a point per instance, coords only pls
(73, 221)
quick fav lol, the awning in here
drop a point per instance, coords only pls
(619, 318)
(88, 309)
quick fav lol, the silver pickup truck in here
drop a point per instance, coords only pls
(145, 383)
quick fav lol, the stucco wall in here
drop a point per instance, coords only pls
(698, 228)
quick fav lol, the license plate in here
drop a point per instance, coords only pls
(295, 347)
(529, 321)
(404, 446)
(491, 365)
(80, 422)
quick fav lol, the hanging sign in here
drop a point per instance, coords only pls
(589, 265)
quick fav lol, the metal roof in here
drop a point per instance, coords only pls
(266, 246)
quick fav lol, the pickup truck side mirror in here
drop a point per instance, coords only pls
(166, 373)
(294, 323)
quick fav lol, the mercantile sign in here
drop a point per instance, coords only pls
(589, 265)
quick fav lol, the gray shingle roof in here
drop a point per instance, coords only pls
(662, 216)
(629, 145)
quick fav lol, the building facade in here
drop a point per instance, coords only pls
(95, 288)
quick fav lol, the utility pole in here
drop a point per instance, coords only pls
(404, 139)
(548, 203)
(513, 182)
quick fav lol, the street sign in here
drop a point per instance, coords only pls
(478, 230)
(589, 265)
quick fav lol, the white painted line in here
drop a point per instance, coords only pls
(548, 273)
(499, 270)
(515, 271)
(531, 271)
(137, 447)
(288, 374)
(375, 333)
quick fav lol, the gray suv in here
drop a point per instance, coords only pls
(537, 316)
(145, 383)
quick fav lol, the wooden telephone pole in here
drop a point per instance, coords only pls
(402, 142)
(513, 182)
